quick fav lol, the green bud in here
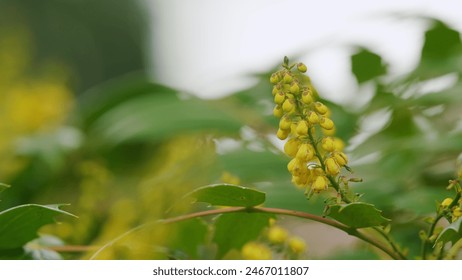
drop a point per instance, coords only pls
(274, 79)
(294, 89)
(301, 67)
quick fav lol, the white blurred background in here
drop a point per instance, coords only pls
(212, 47)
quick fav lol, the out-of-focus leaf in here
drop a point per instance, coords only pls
(367, 65)
(358, 215)
(283, 194)
(383, 99)
(449, 96)
(189, 237)
(100, 99)
(441, 41)
(419, 201)
(228, 195)
(253, 106)
(441, 52)
(255, 166)
(233, 230)
(19, 225)
(402, 124)
(451, 233)
(51, 148)
(356, 254)
(3, 187)
(14, 254)
(155, 117)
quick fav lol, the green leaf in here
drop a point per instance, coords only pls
(3, 187)
(451, 233)
(104, 97)
(228, 195)
(441, 51)
(255, 166)
(441, 41)
(189, 236)
(233, 230)
(19, 225)
(367, 65)
(358, 215)
(157, 116)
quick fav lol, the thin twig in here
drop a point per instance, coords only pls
(278, 211)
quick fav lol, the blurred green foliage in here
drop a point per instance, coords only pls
(122, 149)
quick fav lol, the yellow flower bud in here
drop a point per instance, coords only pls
(277, 111)
(291, 147)
(457, 212)
(313, 117)
(340, 158)
(276, 89)
(277, 235)
(294, 89)
(279, 97)
(332, 167)
(307, 97)
(282, 134)
(300, 181)
(330, 132)
(288, 78)
(255, 251)
(317, 172)
(285, 123)
(297, 167)
(274, 79)
(297, 245)
(291, 165)
(328, 144)
(446, 202)
(305, 152)
(320, 184)
(302, 128)
(301, 67)
(293, 128)
(321, 108)
(288, 105)
(326, 123)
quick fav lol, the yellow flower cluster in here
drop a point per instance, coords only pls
(317, 158)
(280, 236)
(256, 251)
(455, 211)
(277, 239)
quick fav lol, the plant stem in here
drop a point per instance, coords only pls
(303, 215)
(429, 234)
(431, 230)
(390, 241)
(278, 211)
(329, 177)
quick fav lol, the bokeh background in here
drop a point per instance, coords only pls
(119, 108)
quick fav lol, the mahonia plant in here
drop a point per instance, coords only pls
(317, 156)
(318, 164)
(437, 237)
